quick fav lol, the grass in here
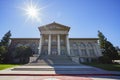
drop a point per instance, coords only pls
(110, 67)
(5, 66)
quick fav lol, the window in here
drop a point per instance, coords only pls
(19, 45)
(76, 52)
(84, 52)
(89, 45)
(82, 45)
(62, 42)
(91, 51)
(54, 42)
(74, 44)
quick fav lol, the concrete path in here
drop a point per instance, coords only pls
(57, 70)
(82, 72)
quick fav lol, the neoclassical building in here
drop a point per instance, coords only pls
(54, 40)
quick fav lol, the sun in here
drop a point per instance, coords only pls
(32, 11)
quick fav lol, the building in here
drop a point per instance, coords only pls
(54, 40)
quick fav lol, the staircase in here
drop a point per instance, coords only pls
(53, 60)
(53, 64)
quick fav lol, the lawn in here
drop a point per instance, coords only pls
(5, 66)
(110, 67)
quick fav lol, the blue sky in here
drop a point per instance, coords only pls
(85, 17)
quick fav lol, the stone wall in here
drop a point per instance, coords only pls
(84, 49)
(31, 42)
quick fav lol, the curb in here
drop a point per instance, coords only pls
(59, 74)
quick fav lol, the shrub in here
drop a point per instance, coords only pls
(105, 59)
(3, 51)
(21, 54)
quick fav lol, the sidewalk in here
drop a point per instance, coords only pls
(56, 71)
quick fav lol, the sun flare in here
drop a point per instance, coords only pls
(32, 11)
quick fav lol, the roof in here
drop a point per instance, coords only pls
(24, 38)
(83, 38)
(48, 26)
(39, 38)
(54, 23)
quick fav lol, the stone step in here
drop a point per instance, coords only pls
(52, 60)
(55, 57)
(53, 69)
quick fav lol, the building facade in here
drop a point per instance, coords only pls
(54, 40)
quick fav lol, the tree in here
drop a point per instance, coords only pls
(3, 51)
(5, 39)
(108, 50)
(102, 39)
(4, 47)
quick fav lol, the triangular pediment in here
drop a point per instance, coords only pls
(54, 26)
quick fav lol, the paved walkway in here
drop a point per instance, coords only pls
(81, 72)
(57, 70)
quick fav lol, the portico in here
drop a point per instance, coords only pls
(54, 40)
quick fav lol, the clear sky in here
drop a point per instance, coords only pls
(85, 17)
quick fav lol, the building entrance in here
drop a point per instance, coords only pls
(54, 51)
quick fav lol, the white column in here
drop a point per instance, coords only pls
(40, 45)
(68, 45)
(49, 44)
(58, 44)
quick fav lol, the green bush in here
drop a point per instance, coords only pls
(105, 59)
(3, 51)
(21, 54)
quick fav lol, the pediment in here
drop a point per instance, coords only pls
(54, 27)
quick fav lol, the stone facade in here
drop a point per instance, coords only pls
(54, 41)
(84, 49)
(31, 42)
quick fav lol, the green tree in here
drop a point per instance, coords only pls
(4, 47)
(3, 51)
(108, 50)
(21, 54)
(102, 40)
(5, 39)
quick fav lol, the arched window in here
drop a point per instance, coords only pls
(76, 52)
(18, 45)
(89, 45)
(92, 53)
(84, 52)
(74, 44)
(82, 45)
(62, 42)
(91, 49)
(27, 45)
